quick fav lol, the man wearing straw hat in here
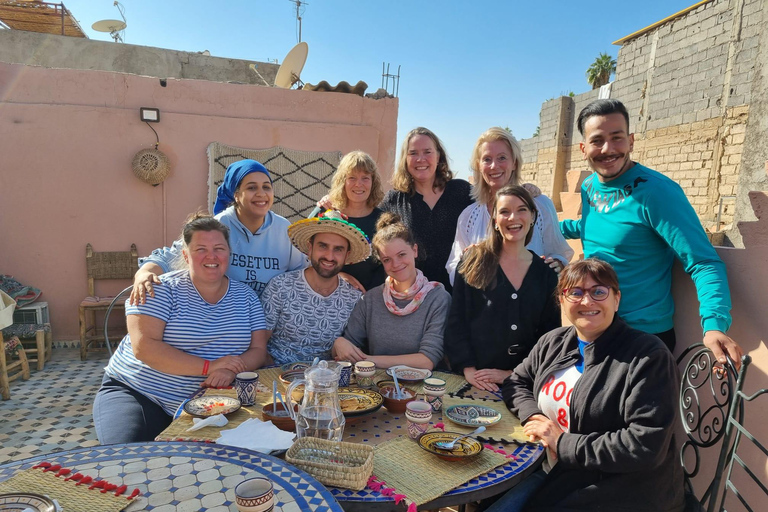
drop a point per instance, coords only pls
(306, 310)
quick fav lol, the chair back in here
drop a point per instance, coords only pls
(712, 411)
(109, 265)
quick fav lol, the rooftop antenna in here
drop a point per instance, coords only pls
(290, 71)
(114, 27)
(385, 77)
(299, 12)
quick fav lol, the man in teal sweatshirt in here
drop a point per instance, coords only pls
(638, 220)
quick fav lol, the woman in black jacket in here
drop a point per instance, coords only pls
(601, 397)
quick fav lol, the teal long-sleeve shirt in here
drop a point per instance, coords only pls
(638, 223)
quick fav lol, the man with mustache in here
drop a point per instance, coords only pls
(307, 309)
(638, 220)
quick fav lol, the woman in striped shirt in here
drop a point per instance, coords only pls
(201, 329)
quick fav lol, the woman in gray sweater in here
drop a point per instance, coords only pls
(401, 321)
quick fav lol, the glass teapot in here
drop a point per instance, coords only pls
(319, 413)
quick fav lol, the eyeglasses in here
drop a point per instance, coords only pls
(598, 293)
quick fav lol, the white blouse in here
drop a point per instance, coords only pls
(547, 239)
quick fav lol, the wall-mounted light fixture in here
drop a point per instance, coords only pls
(150, 115)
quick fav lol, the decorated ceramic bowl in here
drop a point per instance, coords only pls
(279, 416)
(464, 449)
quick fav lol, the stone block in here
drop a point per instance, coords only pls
(755, 234)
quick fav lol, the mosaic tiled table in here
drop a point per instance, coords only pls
(176, 477)
(381, 426)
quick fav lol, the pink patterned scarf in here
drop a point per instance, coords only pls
(415, 294)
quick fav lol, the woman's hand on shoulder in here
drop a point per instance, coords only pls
(345, 350)
(234, 364)
(325, 202)
(352, 281)
(143, 285)
(470, 373)
(220, 378)
(492, 375)
(554, 263)
(532, 189)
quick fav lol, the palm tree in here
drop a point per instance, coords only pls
(599, 72)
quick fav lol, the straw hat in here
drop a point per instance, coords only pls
(331, 221)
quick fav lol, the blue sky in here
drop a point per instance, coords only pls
(465, 66)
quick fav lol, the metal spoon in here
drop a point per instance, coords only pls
(449, 446)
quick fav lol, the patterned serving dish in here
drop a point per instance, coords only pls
(464, 448)
(359, 401)
(298, 365)
(409, 374)
(211, 405)
(472, 415)
(24, 501)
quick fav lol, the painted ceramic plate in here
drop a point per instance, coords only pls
(464, 448)
(298, 365)
(211, 405)
(291, 375)
(472, 415)
(408, 374)
(356, 401)
(26, 501)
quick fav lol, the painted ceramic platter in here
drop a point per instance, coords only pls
(211, 405)
(357, 401)
(408, 374)
(291, 375)
(298, 365)
(463, 449)
(472, 415)
(26, 501)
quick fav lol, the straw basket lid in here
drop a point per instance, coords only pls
(331, 221)
(151, 166)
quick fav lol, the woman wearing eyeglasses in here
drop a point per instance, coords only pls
(601, 397)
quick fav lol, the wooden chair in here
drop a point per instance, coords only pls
(102, 265)
(37, 341)
(10, 371)
(712, 410)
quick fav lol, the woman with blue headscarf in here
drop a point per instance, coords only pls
(259, 239)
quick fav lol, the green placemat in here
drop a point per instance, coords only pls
(422, 476)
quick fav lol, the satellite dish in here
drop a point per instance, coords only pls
(113, 27)
(290, 70)
(109, 26)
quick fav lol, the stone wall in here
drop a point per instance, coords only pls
(688, 85)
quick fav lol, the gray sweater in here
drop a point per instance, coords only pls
(378, 332)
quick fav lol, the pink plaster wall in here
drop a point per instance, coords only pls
(67, 138)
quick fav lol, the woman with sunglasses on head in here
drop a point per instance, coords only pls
(497, 160)
(259, 239)
(602, 398)
(503, 298)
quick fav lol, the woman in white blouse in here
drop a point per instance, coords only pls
(496, 162)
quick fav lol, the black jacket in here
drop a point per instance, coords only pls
(620, 453)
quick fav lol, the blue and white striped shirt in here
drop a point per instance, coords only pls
(193, 325)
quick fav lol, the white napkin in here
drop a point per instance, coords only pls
(217, 420)
(254, 434)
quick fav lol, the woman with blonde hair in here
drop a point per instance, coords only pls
(428, 199)
(356, 190)
(401, 321)
(496, 162)
(503, 297)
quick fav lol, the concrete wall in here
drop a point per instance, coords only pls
(689, 86)
(52, 51)
(68, 139)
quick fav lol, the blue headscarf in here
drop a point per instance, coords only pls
(225, 194)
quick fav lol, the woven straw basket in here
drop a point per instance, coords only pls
(151, 166)
(347, 465)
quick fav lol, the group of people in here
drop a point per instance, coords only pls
(441, 274)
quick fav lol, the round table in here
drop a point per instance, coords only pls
(175, 477)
